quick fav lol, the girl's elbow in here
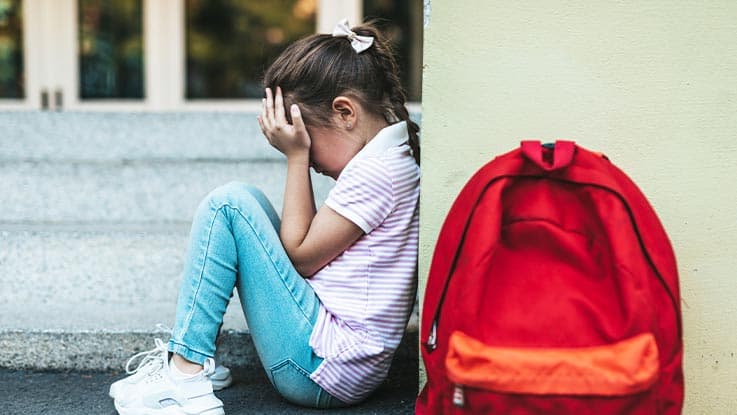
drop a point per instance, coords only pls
(304, 262)
(305, 270)
(304, 267)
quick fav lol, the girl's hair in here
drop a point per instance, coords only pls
(314, 70)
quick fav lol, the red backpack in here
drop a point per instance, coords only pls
(553, 289)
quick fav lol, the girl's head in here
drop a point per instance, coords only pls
(315, 70)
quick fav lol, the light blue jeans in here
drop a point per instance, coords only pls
(235, 244)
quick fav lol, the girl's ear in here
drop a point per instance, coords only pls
(345, 109)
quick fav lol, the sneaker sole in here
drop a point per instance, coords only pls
(112, 392)
(219, 384)
(170, 410)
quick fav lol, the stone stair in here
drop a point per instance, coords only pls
(95, 210)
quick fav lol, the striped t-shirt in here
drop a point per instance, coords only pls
(367, 292)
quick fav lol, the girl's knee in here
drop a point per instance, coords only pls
(242, 197)
(294, 384)
(234, 194)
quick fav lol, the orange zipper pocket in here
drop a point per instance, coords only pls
(617, 369)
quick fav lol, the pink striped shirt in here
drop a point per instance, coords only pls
(367, 292)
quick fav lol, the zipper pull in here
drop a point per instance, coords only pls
(458, 397)
(432, 340)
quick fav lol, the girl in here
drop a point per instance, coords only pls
(327, 293)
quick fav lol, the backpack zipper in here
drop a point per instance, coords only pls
(432, 340)
(459, 398)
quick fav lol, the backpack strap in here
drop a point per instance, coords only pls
(561, 154)
(454, 229)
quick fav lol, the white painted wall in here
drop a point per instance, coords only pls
(651, 84)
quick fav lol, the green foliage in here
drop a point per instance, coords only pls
(230, 42)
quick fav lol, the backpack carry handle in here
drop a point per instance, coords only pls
(560, 156)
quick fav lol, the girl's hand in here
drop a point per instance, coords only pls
(290, 139)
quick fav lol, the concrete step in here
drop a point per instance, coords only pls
(85, 298)
(74, 167)
(135, 192)
(88, 279)
(105, 349)
(101, 137)
(88, 298)
(125, 136)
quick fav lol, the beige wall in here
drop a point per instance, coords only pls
(653, 84)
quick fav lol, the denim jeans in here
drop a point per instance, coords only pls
(235, 244)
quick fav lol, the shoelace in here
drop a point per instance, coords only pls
(209, 366)
(157, 354)
(150, 355)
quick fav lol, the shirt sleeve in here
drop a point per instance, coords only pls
(363, 194)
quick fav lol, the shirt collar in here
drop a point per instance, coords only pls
(389, 136)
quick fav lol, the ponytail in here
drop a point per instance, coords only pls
(394, 102)
(401, 112)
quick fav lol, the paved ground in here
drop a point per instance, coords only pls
(78, 393)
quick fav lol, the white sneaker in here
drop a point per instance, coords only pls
(221, 378)
(149, 362)
(152, 390)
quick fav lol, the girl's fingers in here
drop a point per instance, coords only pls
(269, 108)
(264, 130)
(264, 118)
(279, 115)
(297, 121)
(261, 124)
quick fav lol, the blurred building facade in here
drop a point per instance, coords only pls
(172, 55)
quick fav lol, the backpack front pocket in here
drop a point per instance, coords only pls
(614, 370)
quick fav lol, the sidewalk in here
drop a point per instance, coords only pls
(85, 393)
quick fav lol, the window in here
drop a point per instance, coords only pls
(229, 43)
(182, 55)
(12, 80)
(402, 21)
(111, 49)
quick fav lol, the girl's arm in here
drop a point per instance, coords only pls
(311, 239)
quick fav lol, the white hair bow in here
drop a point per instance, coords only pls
(359, 43)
